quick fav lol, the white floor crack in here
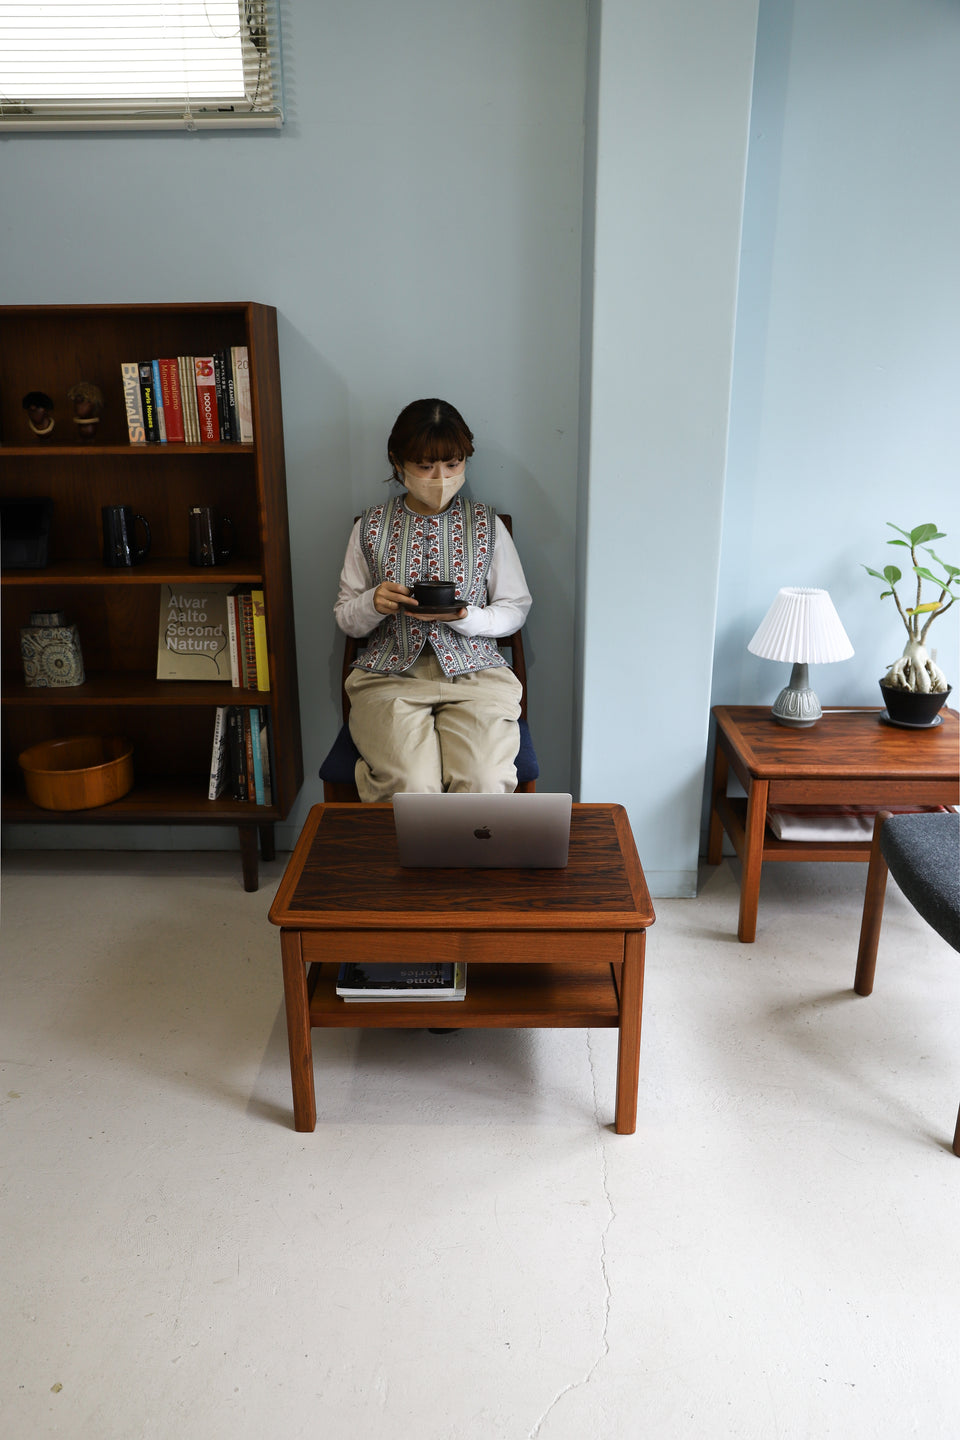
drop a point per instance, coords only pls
(604, 1347)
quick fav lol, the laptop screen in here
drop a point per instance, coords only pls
(518, 831)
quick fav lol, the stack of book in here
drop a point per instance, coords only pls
(214, 632)
(241, 761)
(196, 400)
(380, 981)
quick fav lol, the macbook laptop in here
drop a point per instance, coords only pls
(525, 831)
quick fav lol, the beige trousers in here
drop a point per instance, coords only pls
(424, 732)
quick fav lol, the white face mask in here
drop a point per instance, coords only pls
(438, 493)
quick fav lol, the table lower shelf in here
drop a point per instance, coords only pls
(509, 996)
(733, 814)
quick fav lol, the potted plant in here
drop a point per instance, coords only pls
(914, 688)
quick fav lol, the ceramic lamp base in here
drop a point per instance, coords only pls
(797, 705)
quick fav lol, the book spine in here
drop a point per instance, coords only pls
(258, 607)
(149, 402)
(188, 395)
(223, 421)
(241, 374)
(248, 648)
(130, 374)
(233, 638)
(230, 386)
(158, 399)
(266, 759)
(238, 757)
(218, 753)
(256, 756)
(172, 402)
(207, 400)
(248, 755)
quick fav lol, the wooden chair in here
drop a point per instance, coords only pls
(922, 852)
(337, 770)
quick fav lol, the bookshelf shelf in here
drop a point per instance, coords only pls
(51, 348)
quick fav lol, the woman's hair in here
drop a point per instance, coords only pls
(428, 430)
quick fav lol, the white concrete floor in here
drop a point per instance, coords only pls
(464, 1250)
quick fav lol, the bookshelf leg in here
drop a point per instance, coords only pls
(249, 858)
(628, 1053)
(268, 848)
(297, 1005)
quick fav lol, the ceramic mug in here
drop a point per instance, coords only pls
(434, 594)
(207, 545)
(120, 546)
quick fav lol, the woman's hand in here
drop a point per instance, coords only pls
(387, 597)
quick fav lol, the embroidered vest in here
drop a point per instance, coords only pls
(402, 546)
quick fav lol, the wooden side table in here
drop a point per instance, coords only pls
(848, 758)
(544, 947)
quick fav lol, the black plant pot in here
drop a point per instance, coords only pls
(912, 708)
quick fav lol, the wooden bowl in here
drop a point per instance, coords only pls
(78, 773)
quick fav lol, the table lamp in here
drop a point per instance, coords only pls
(801, 626)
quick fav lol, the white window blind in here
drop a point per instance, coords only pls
(139, 64)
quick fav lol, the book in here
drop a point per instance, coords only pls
(237, 753)
(192, 641)
(241, 380)
(220, 381)
(149, 402)
(256, 756)
(158, 402)
(248, 755)
(188, 396)
(258, 608)
(230, 390)
(441, 980)
(233, 636)
(207, 400)
(130, 374)
(266, 754)
(171, 401)
(218, 754)
(245, 638)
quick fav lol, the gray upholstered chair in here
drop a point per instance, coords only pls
(922, 852)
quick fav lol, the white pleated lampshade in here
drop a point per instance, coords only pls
(802, 625)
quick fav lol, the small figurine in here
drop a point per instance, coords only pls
(39, 408)
(87, 406)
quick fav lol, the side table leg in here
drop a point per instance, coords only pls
(297, 1006)
(628, 1051)
(873, 898)
(752, 860)
(720, 770)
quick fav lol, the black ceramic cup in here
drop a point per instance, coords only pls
(207, 546)
(434, 594)
(120, 538)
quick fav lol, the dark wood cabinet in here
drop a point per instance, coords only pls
(50, 348)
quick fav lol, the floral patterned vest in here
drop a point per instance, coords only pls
(402, 546)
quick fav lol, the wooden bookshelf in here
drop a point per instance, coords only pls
(50, 348)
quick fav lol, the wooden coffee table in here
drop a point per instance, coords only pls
(543, 947)
(848, 758)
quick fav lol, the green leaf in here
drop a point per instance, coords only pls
(923, 533)
(899, 542)
(950, 569)
(885, 594)
(927, 574)
(892, 574)
(898, 530)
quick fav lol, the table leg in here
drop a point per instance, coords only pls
(297, 1005)
(628, 1051)
(720, 770)
(752, 861)
(873, 898)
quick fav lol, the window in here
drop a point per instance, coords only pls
(139, 64)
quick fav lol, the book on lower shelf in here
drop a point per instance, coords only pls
(441, 980)
(193, 642)
(831, 822)
(241, 759)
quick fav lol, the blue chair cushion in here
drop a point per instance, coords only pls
(338, 767)
(923, 855)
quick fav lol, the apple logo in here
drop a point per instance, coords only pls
(483, 833)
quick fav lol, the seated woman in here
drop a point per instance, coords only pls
(433, 704)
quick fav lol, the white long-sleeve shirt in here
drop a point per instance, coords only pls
(508, 599)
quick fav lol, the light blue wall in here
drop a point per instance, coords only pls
(846, 397)
(673, 82)
(417, 225)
